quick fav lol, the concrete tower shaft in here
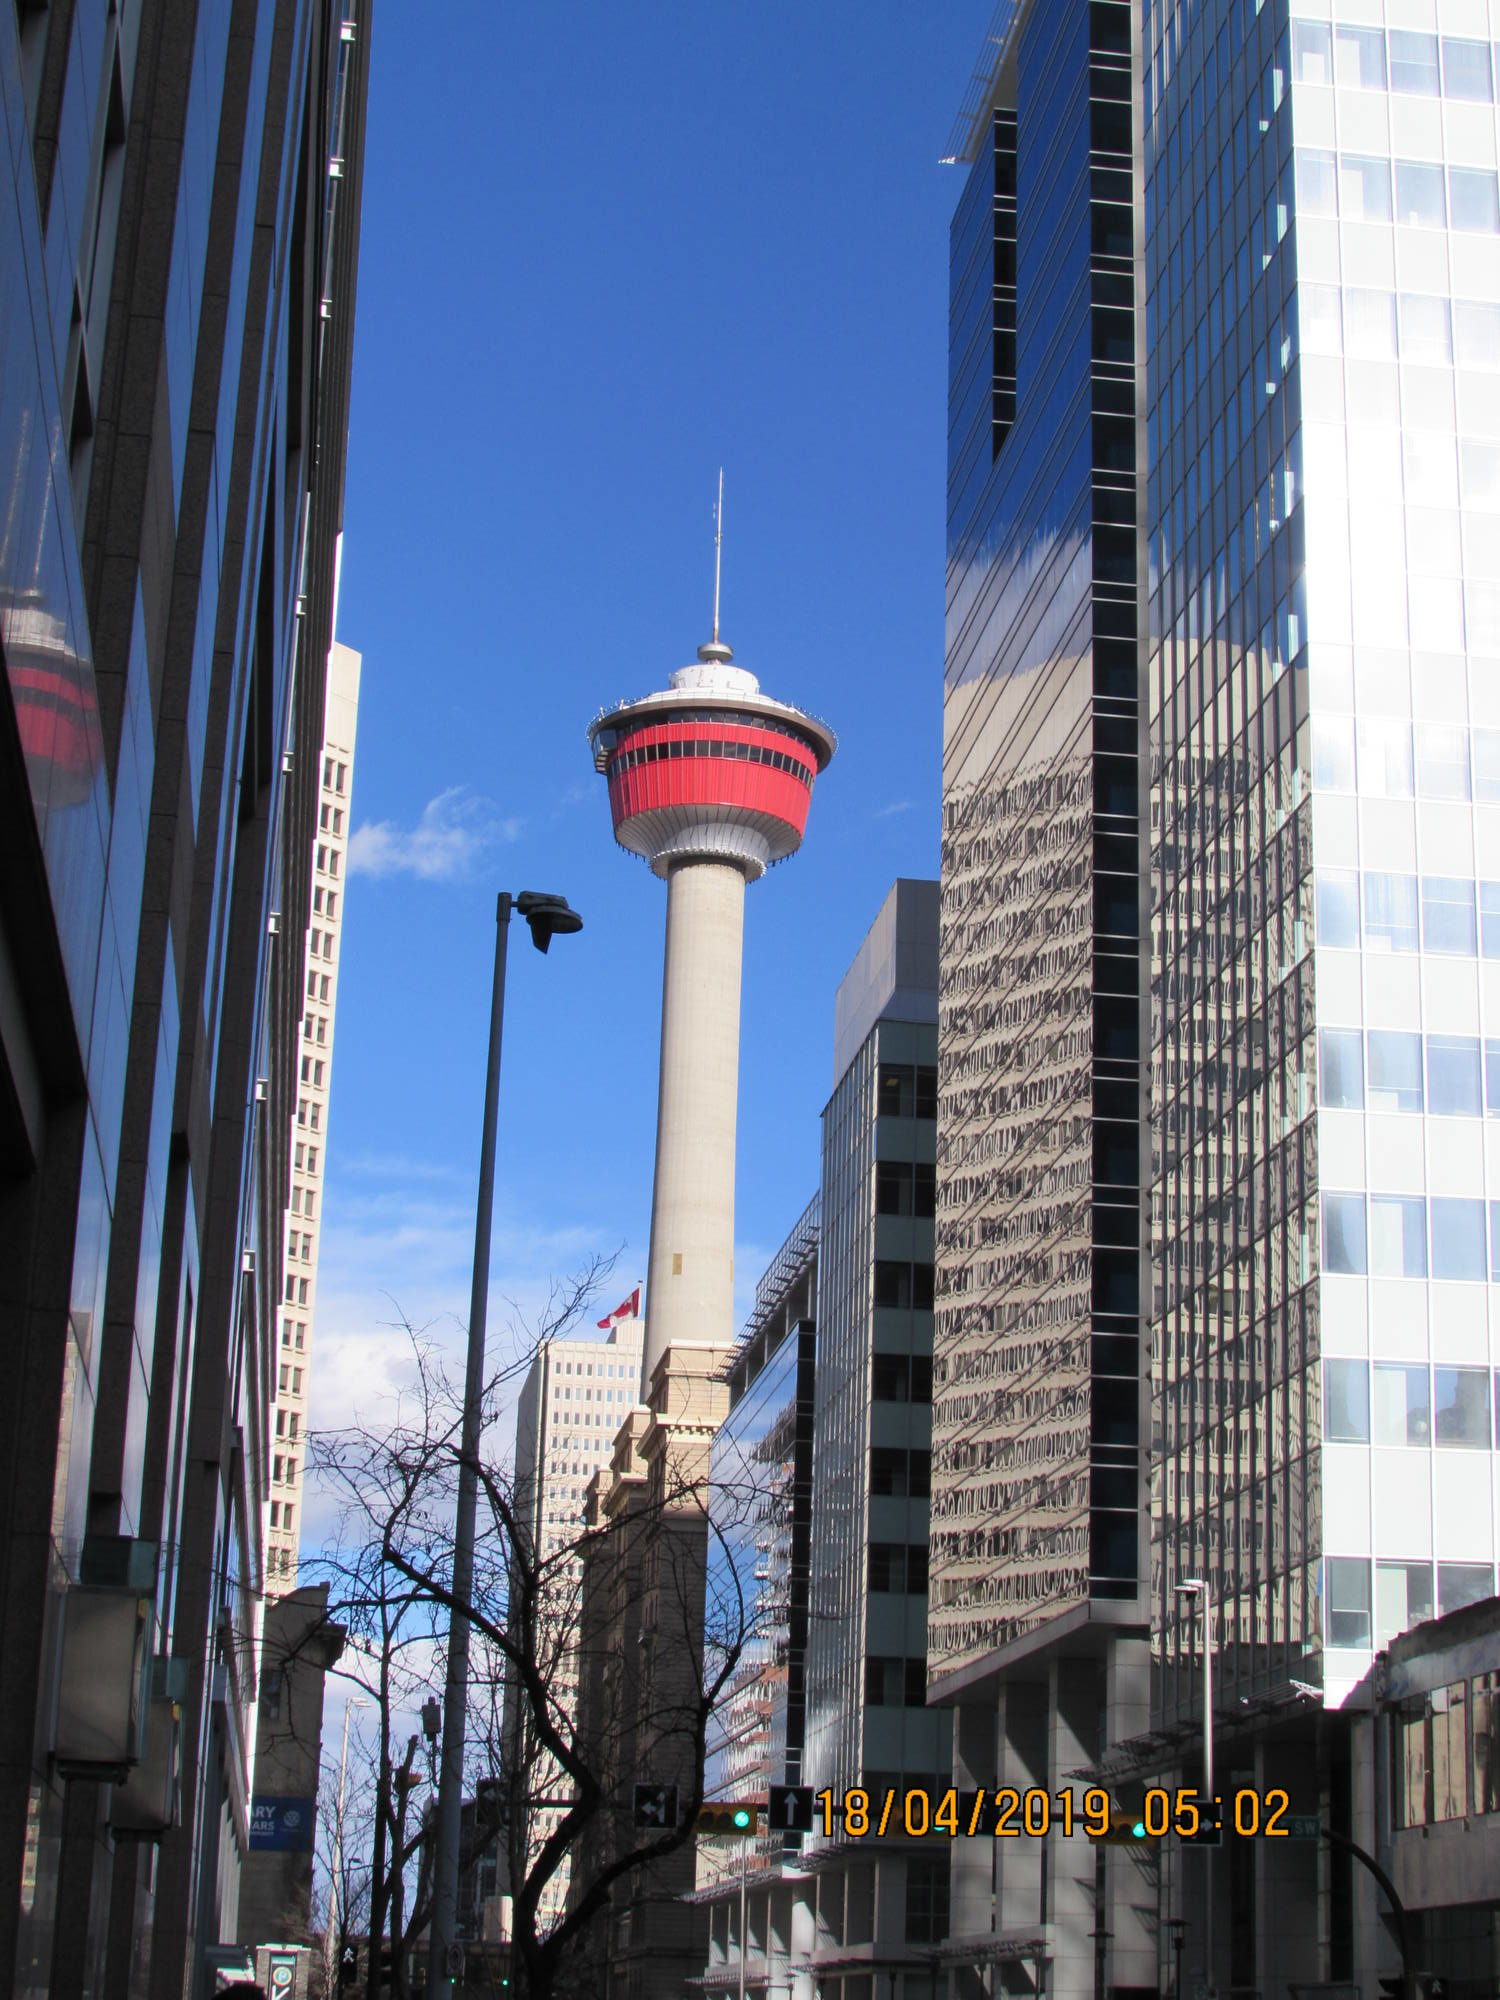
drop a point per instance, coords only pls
(710, 782)
(690, 1270)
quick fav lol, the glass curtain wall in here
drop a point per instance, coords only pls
(1236, 1486)
(1037, 1368)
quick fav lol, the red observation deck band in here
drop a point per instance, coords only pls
(700, 767)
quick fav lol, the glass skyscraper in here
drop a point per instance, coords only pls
(1036, 1403)
(1323, 326)
(1036, 1631)
(1272, 233)
(179, 211)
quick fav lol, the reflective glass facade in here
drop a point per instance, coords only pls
(1236, 1489)
(1323, 268)
(760, 1507)
(1037, 1365)
(177, 265)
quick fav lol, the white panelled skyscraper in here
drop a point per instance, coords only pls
(1218, 1191)
(304, 1218)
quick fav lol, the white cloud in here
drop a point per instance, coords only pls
(455, 829)
(890, 811)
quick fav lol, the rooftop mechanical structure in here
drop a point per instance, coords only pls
(710, 781)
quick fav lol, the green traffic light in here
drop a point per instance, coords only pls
(742, 1818)
(1138, 1831)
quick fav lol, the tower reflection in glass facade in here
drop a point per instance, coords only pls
(1037, 1398)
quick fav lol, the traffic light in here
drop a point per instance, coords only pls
(1127, 1830)
(727, 1819)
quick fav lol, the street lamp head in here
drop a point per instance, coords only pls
(548, 916)
(1191, 1586)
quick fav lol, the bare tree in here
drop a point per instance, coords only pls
(550, 1780)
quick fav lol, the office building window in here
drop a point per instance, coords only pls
(1474, 199)
(1457, 1238)
(1359, 58)
(1401, 1410)
(904, 1187)
(1390, 912)
(906, 1090)
(900, 1473)
(927, 1894)
(1346, 1401)
(1346, 1586)
(1403, 1598)
(1461, 1407)
(900, 1286)
(1453, 1077)
(1442, 761)
(901, 1378)
(892, 1682)
(1414, 64)
(899, 1567)
(1448, 915)
(1398, 1236)
(1344, 1241)
(1341, 1080)
(1338, 908)
(1419, 195)
(1386, 766)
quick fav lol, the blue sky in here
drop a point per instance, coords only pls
(606, 249)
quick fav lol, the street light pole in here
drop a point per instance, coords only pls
(337, 1913)
(744, 1941)
(1196, 1586)
(547, 916)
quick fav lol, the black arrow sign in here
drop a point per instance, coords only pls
(655, 1806)
(790, 1808)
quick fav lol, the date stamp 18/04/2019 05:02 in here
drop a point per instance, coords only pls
(1005, 1812)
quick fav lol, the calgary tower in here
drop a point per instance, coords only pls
(710, 781)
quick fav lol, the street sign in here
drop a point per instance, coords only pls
(1304, 1826)
(281, 1979)
(655, 1806)
(790, 1809)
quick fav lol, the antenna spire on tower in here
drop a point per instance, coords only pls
(718, 551)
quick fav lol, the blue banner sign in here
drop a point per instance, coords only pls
(282, 1825)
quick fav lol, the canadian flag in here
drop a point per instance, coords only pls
(627, 1309)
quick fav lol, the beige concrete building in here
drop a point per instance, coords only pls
(643, 1596)
(576, 1396)
(304, 1218)
(299, 1647)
